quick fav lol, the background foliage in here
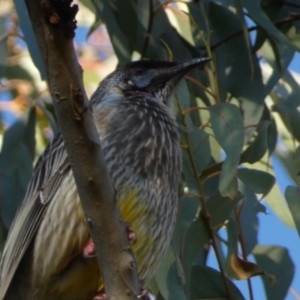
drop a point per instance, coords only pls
(236, 115)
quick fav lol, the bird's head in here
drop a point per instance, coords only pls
(152, 77)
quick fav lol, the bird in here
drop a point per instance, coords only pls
(44, 255)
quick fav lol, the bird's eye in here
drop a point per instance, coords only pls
(139, 71)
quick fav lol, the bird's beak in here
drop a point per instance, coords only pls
(177, 71)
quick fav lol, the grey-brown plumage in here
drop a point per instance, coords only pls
(42, 258)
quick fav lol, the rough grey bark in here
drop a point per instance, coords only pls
(53, 23)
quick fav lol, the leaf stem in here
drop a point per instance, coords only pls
(205, 213)
(237, 213)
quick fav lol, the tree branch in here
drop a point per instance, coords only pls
(54, 24)
(290, 18)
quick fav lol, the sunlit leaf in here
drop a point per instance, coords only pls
(258, 181)
(285, 54)
(292, 101)
(249, 219)
(258, 16)
(292, 196)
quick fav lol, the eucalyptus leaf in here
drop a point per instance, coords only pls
(207, 283)
(258, 16)
(197, 235)
(258, 181)
(237, 267)
(276, 261)
(16, 160)
(227, 124)
(259, 146)
(292, 196)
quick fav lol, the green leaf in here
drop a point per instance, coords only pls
(29, 36)
(276, 261)
(227, 124)
(292, 100)
(293, 35)
(162, 273)
(259, 182)
(200, 148)
(290, 119)
(256, 13)
(167, 279)
(278, 204)
(284, 56)
(16, 159)
(188, 208)
(236, 267)
(259, 146)
(46, 105)
(240, 76)
(195, 239)
(144, 21)
(197, 235)
(249, 219)
(292, 196)
(240, 12)
(175, 285)
(207, 283)
(15, 170)
(183, 95)
(90, 5)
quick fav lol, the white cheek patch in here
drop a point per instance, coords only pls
(130, 82)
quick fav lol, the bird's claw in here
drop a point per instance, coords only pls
(130, 234)
(89, 249)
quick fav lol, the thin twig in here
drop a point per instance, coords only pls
(290, 18)
(205, 213)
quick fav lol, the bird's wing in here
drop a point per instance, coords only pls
(49, 171)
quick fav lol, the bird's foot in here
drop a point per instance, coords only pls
(100, 296)
(143, 296)
(130, 234)
(89, 249)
